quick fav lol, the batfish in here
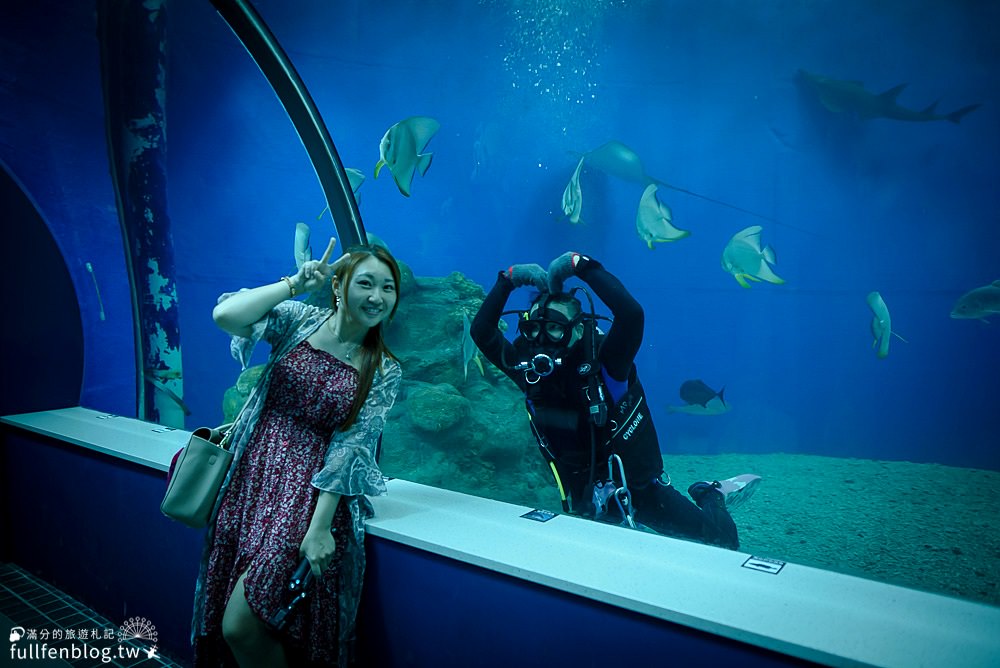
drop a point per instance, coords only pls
(401, 150)
(653, 220)
(881, 325)
(744, 258)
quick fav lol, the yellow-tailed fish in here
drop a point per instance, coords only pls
(401, 150)
(744, 258)
(653, 221)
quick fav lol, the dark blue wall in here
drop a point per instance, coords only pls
(41, 342)
(52, 140)
(90, 525)
(421, 609)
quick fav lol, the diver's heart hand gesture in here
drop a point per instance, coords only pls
(313, 274)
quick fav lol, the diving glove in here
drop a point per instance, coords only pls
(528, 274)
(560, 269)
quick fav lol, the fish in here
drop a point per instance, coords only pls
(697, 392)
(745, 259)
(617, 159)
(483, 147)
(97, 290)
(881, 325)
(355, 177)
(845, 96)
(653, 220)
(303, 251)
(173, 396)
(572, 199)
(375, 240)
(978, 303)
(712, 407)
(401, 150)
(469, 351)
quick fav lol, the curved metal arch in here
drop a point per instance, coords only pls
(274, 63)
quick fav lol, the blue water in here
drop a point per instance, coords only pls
(704, 92)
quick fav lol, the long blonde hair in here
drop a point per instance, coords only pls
(373, 348)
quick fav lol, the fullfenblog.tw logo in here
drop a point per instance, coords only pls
(137, 628)
(136, 639)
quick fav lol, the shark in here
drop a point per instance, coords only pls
(744, 258)
(881, 325)
(401, 150)
(845, 96)
(978, 303)
(653, 220)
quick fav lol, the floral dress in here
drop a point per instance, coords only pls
(292, 450)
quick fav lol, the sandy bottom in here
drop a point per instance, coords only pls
(924, 526)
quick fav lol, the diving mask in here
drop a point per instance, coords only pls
(554, 327)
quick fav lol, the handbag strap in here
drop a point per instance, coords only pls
(227, 429)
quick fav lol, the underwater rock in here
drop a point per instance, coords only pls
(489, 451)
(234, 397)
(407, 281)
(248, 379)
(232, 402)
(435, 408)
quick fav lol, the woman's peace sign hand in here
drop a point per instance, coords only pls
(313, 274)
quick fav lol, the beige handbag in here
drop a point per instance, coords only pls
(195, 476)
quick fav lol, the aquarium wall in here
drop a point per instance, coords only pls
(876, 440)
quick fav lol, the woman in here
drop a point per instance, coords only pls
(305, 448)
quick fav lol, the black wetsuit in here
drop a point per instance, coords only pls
(560, 412)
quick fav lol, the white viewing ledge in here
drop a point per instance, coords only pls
(818, 615)
(133, 440)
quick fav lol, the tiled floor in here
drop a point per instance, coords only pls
(36, 615)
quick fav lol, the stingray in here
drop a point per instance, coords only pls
(618, 160)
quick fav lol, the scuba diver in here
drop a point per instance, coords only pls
(586, 406)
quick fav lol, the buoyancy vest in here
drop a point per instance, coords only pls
(560, 412)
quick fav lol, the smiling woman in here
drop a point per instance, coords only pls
(304, 461)
(529, 95)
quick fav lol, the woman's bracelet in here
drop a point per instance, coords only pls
(291, 287)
